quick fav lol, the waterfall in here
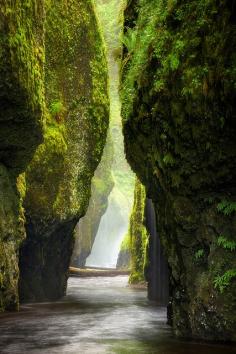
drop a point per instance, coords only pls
(114, 223)
(112, 228)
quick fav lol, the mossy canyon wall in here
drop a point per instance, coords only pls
(178, 94)
(53, 70)
(21, 118)
(86, 229)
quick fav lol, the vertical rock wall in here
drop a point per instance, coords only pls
(58, 178)
(178, 96)
(86, 230)
(21, 117)
(156, 271)
(138, 236)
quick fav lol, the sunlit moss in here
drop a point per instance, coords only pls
(77, 116)
(138, 235)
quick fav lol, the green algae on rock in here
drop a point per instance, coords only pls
(178, 95)
(138, 236)
(22, 85)
(59, 176)
(21, 120)
(11, 235)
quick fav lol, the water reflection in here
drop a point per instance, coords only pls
(99, 315)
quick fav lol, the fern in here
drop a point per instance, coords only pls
(223, 281)
(168, 159)
(226, 244)
(226, 207)
(199, 254)
(129, 40)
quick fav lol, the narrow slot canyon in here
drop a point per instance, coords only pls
(117, 177)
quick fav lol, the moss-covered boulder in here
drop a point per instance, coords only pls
(86, 230)
(179, 91)
(59, 176)
(21, 116)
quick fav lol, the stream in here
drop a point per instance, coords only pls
(98, 315)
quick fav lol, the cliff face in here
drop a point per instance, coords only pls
(59, 176)
(123, 261)
(179, 124)
(21, 116)
(86, 230)
(138, 236)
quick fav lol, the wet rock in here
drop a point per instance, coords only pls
(59, 176)
(21, 120)
(179, 124)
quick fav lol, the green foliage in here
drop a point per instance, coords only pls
(226, 244)
(56, 108)
(199, 254)
(168, 159)
(178, 108)
(129, 40)
(171, 94)
(226, 207)
(222, 282)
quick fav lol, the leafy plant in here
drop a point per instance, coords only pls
(226, 244)
(199, 254)
(168, 159)
(221, 282)
(226, 207)
(57, 110)
(129, 40)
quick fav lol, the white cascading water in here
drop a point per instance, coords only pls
(112, 228)
(114, 223)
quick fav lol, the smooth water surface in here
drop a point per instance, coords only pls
(99, 315)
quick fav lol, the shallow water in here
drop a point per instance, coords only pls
(99, 315)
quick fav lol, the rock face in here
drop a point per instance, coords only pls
(179, 124)
(123, 261)
(138, 236)
(156, 270)
(21, 117)
(59, 176)
(86, 230)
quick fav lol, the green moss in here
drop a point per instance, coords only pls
(77, 115)
(21, 124)
(138, 236)
(125, 245)
(102, 185)
(78, 121)
(178, 93)
(11, 235)
(22, 81)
